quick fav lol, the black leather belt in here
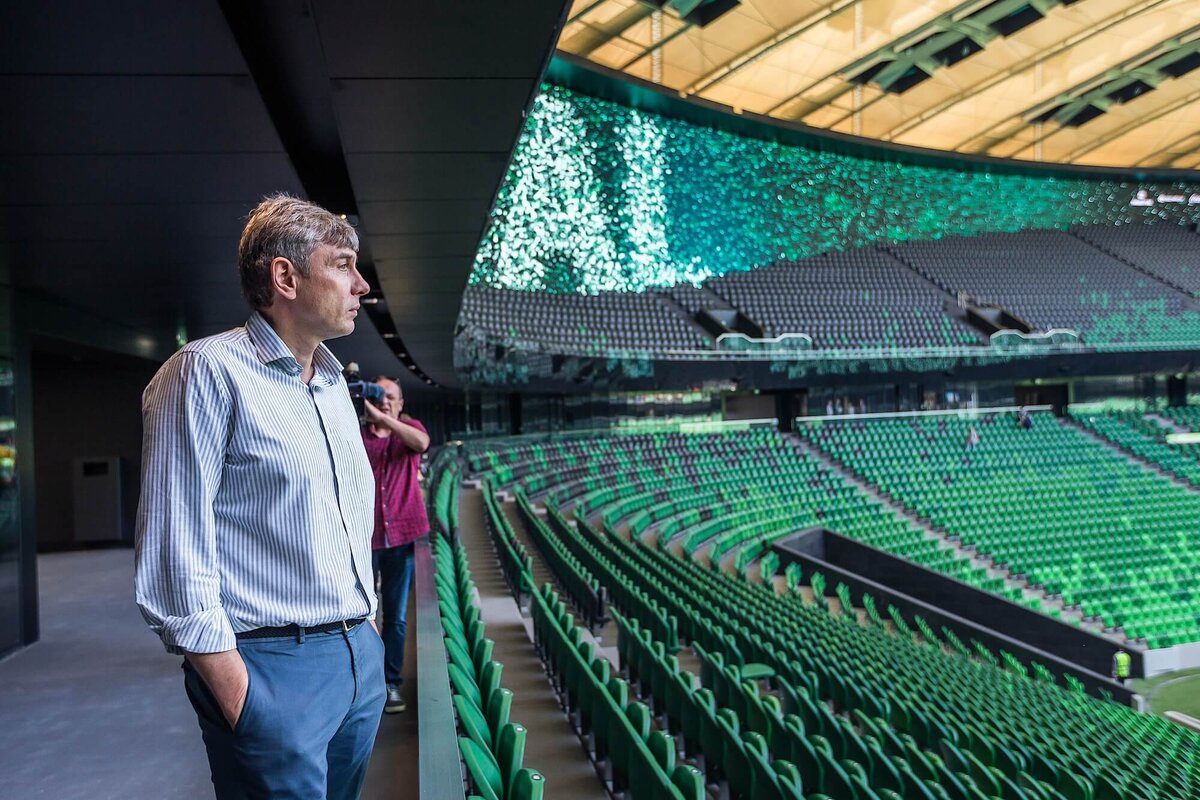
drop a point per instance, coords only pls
(293, 630)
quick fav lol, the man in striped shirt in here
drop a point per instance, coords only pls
(254, 529)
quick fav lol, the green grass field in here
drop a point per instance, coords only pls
(1174, 691)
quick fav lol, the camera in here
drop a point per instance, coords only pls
(361, 391)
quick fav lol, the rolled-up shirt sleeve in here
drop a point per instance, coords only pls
(186, 421)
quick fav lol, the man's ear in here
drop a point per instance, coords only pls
(284, 277)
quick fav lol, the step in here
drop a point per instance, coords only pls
(552, 746)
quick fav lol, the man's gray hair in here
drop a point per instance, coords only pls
(285, 226)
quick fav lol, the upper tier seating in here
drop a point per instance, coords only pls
(876, 297)
(1054, 280)
(1051, 503)
(575, 323)
(856, 298)
(1169, 251)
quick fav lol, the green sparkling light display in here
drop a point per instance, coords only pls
(601, 197)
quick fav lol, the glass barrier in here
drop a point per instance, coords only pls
(1056, 337)
(740, 342)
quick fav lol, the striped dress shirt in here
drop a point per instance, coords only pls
(257, 502)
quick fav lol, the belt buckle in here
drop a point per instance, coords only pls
(345, 627)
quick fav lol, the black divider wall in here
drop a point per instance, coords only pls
(990, 620)
(440, 773)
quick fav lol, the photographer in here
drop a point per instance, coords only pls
(394, 443)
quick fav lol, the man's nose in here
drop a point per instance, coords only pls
(360, 285)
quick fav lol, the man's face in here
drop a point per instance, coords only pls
(393, 401)
(328, 299)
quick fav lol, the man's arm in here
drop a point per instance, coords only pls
(186, 412)
(226, 677)
(414, 438)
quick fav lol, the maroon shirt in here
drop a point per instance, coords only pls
(399, 508)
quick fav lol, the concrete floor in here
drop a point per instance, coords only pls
(96, 709)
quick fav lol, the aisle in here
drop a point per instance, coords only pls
(552, 747)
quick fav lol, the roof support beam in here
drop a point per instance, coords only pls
(1018, 68)
(915, 35)
(766, 46)
(1024, 119)
(1099, 142)
(659, 45)
(593, 37)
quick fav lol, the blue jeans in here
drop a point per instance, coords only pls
(309, 722)
(394, 566)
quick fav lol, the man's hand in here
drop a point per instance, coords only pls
(373, 414)
(226, 677)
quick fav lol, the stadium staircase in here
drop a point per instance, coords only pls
(551, 744)
(987, 318)
(1168, 423)
(673, 304)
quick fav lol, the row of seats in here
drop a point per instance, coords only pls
(1050, 503)
(580, 586)
(961, 727)
(492, 747)
(444, 480)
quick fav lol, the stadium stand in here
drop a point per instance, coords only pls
(793, 702)
(1050, 503)
(493, 748)
(576, 323)
(1170, 252)
(1146, 439)
(855, 298)
(1113, 285)
(1054, 280)
(731, 491)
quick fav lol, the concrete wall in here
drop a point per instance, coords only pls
(1171, 659)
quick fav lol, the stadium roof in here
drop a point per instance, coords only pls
(1088, 82)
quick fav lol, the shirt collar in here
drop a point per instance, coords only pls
(271, 350)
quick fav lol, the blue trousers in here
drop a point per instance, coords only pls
(394, 565)
(309, 722)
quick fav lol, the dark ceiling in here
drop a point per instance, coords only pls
(139, 134)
